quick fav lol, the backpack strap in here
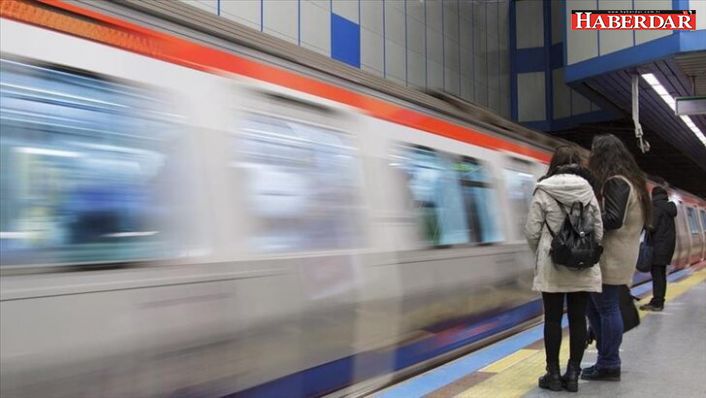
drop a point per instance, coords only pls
(561, 208)
(549, 229)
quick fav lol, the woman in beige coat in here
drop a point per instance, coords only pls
(626, 209)
(565, 183)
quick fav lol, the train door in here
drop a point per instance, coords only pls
(520, 181)
(296, 173)
(681, 254)
(702, 213)
(695, 234)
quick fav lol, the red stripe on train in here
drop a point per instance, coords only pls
(77, 21)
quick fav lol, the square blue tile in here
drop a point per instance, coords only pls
(345, 40)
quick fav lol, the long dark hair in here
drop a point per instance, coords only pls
(610, 157)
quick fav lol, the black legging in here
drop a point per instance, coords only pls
(659, 284)
(553, 311)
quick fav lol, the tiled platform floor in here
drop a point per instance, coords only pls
(664, 357)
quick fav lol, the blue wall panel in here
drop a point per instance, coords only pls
(529, 60)
(345, 40)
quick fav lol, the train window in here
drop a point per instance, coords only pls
(478, 197)
(520, 186)
(302, 185)
(693, 222)
(452, 195)
(80, 157)
(434, 186)
(703, 220)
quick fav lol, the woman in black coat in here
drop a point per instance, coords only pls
(663, 239)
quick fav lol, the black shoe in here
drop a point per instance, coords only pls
(552, 379)
(594, 373)
(652, 307)
(570, 379)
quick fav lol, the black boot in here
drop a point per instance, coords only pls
(552, 379)
(570, 379)
(652, 306)
(594, 373)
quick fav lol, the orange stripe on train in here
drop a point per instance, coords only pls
(91, 25)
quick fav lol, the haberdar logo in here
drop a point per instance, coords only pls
(633, 20)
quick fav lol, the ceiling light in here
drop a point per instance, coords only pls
(694, 128)
(650, 79)
(662, 92)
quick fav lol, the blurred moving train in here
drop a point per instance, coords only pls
(182, 220)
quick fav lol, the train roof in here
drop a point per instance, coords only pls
(208, 26)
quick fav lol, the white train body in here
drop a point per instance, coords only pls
(252, 276)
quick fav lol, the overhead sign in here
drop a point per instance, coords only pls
(633, 19)
(691, 105)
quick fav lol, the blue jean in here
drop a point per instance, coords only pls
(607, 323)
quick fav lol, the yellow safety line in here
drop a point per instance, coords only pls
(516, 380)
(517, 373)
(502, 364)
(678, 288)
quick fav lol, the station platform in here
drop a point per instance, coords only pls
(662, 357)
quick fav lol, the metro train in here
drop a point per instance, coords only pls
(181, 218)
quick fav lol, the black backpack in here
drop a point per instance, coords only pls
(574, 245)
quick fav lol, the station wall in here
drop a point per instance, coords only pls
(459, 46)
(541, 98)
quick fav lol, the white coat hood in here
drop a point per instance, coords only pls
(567, 188)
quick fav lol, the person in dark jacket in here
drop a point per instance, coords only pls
(663, 238)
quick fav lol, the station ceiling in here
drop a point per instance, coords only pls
(676, 153)
(693, 65)
(663, 159)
